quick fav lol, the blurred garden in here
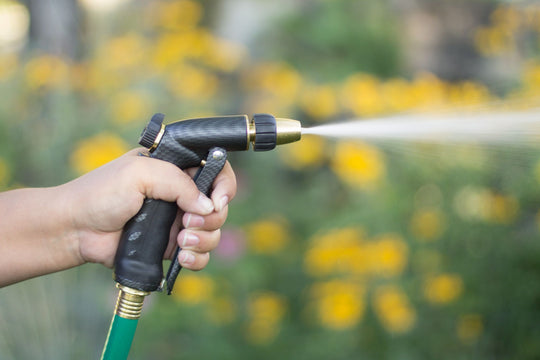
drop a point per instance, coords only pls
(333, 249)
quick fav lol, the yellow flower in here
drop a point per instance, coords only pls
(428, 223)
(506, 17)
(193, 83)
(4, 173)
(309, 152)
(468, 93)
(531, 81)
(469, 327)
(194, 289)
(336, 251)
(96, 151)
(397, 95)
(358, 164)
(319, 102)
(428, 91)
(278, 79)
(174, 49)
(361, 94)
(389, 255)
(122, 52)
(504, 209)
(46, 71)
(177, 15)
(128, 107)
(393, 309)
(339, 304)
(443, 289)
(265, 311)
(267, 236)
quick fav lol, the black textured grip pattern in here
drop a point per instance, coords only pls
(204, 180)
(138, 261)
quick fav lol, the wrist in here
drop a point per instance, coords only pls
(67, 228)
(38, 237)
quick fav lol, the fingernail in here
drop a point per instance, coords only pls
(186, 258)
(223, 202)
(194, 221)
(190, 239)
(205, 204)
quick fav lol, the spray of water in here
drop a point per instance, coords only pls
(516, 128)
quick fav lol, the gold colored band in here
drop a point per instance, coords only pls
(250, 131)
(158, 138)
(130, 302)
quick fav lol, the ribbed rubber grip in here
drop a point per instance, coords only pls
(265, 132)
(138, 261)
(151, 131)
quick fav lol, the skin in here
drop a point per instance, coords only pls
(45, 230)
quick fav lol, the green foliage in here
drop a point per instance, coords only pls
(329, 40)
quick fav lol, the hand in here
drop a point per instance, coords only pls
(103, 200)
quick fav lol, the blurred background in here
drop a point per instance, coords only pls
(334, 249)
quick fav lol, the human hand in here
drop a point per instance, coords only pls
(103, 200)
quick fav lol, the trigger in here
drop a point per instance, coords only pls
(204, 178)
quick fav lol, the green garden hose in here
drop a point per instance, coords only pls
(123, 324)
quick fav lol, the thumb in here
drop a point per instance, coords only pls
(165, 181)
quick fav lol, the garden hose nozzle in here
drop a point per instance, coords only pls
(202, 143)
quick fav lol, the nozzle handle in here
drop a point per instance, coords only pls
(138, 261)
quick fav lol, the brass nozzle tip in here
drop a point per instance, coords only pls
(287, 131)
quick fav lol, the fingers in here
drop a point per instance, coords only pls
(200, 236)
(193, 261)
(209, 222)
(196, 246)
(198, 240)
(224, 187)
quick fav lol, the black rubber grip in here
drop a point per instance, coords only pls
(138, 261)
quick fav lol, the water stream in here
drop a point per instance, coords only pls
(511, 127)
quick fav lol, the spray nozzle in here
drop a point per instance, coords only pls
(266, 131)
(186, 142)
(288, 131)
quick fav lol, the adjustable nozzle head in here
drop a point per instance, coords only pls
(266, 131)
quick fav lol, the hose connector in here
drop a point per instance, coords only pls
(130, 302)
